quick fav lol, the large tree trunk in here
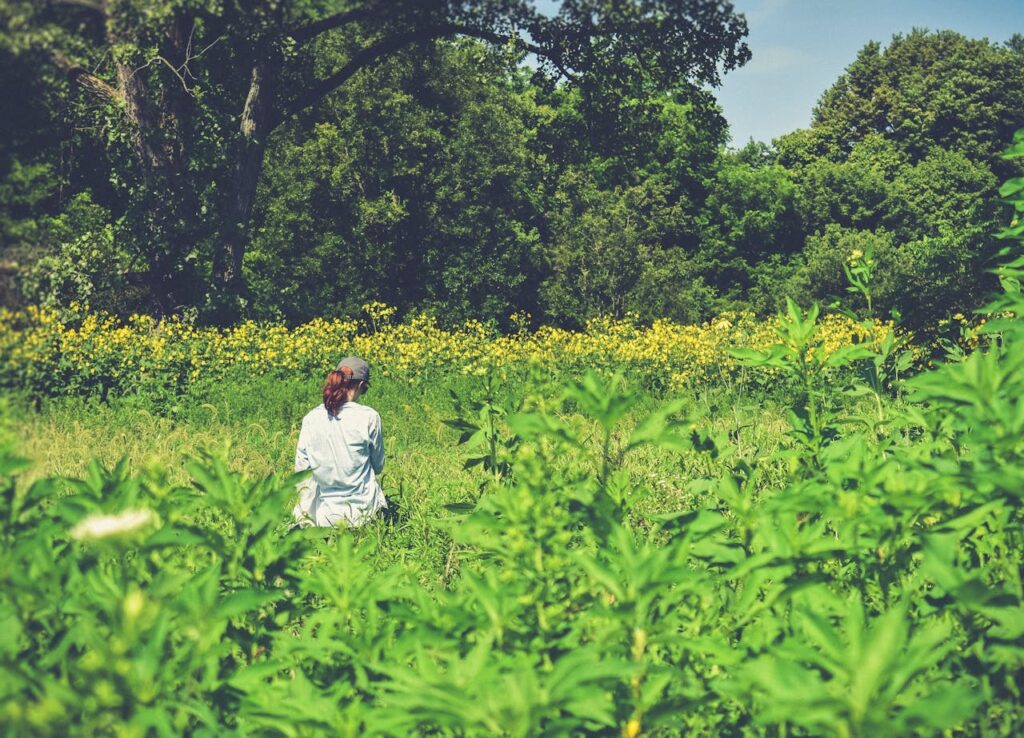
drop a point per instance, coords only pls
(256, 124)
(158, 221)
(157, 137)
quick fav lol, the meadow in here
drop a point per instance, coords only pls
(794, 527)
(809, 543)
(125, 393)
(682, 439)
(253, 427)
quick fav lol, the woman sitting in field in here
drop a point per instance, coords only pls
(342, 442)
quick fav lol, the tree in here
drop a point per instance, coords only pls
(600, 243)
(192, 90)
(749, 215)
(854, 192)
(903, 155)
(922, 90)
(930, 225)
(620, 227)
(418, 188)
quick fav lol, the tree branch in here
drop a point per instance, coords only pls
(94, 5)
(498, 39)
(182, 70)
(369, 55)
(312, 30)
(82, 76)
(363, 58)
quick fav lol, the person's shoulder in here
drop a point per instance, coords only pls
(317, 413)
(366, 410)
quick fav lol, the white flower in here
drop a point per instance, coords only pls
(96, 527)
(133, 605)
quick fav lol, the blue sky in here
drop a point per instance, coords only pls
(800, 47)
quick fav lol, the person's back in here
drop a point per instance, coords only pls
(343, 443)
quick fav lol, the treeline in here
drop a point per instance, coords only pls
(457, 180)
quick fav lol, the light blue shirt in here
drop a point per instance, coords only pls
(346, 453)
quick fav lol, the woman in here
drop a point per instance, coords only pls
(342, 442)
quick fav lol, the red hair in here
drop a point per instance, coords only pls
(338, 386)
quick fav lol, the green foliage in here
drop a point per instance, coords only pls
(83, 262)
(749, 216)
(822, 267)
(451, 178)
(859, 579)
(182, 98)
(621, 224)
(872, 589)
(902, 153)
(928, 224)
(480, 424)
(416, 188)
(924, 89)
(602, 242)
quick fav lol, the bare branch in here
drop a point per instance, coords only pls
(182, 69)
(178, 74)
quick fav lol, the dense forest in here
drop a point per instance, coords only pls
(478, 160)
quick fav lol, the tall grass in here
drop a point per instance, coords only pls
(566, 557)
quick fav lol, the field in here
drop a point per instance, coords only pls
(684, 436)
(255, 427)
(807, 543)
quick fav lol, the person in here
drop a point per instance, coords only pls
(343, 443)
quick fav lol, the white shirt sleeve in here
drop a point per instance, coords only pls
(376, 444)
(303, 510)
(302, 460)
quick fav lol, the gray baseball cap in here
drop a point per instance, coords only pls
(360, 369)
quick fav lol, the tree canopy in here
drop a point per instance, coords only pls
(474, 160)
(187, 93)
